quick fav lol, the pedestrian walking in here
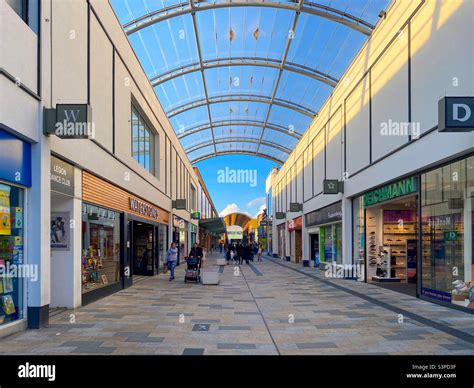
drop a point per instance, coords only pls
(259, 253)
(171, 259)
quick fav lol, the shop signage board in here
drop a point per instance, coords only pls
(451, 236)
(330, 186)
(179, 204)
(394, 190)
(15, 159)
(62, 177)
(234, 235)
(326, 215)
(196, 215)
(436, 294)
(456, 114)
(295, 207)
(143, 208)
(280, 215)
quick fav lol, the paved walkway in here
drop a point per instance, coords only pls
(272, 307)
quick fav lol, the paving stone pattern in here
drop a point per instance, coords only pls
(271, 307)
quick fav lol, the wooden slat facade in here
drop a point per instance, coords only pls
(99, 192)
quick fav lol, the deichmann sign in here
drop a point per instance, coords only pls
(62, 177)
(143, 208)
(391, 191)
(456, 114)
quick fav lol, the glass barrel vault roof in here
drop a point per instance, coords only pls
(245, 76)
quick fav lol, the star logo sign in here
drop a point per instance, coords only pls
(331, 185)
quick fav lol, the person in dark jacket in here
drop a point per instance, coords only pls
(196, 251)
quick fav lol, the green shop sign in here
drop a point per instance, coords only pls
(450, 236)
(389, 192)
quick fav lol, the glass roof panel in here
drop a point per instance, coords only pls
(279, 138)
(196, 138)
(291, 120)
(239, 110)
(241, 80)
(180, 90)
(127, 10)
(302, 91)
(270, 151)
(183, 121)
(237, 131)
(237, 62)
(167, 45)
(243, 32)
(201, 152)
(233, 146)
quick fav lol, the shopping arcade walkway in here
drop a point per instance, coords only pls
(272, 307)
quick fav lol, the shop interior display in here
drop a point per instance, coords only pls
(441, 255)
(143, 245)
(399, 228)
(98, 265)
(391, 244)
(11, 251)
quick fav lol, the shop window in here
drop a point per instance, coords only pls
(143, 142)
(162, 244)
(27, 10)
(359, 231)
(447, 232)
(100, 247)
(11, 253)
(20, 7)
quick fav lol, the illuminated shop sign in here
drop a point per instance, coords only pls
(391, 191)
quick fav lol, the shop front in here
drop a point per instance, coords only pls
(122, 236)
(295, 227)
(386, 234)
(15, 178)
(324, 228)
(415, 235)
(180, 237)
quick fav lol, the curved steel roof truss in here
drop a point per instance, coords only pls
(191, 7)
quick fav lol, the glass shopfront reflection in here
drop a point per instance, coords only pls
(447, 233)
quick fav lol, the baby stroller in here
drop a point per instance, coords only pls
(193, 272)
